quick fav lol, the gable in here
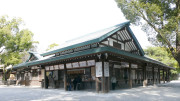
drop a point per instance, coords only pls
(97, 37)
(125, 40)
(33, 56)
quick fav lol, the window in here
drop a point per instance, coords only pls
(117, 45)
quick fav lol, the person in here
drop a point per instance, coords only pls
(69, 83)
(113, 81)
(75, 82)
(47, 82)
(79, 80)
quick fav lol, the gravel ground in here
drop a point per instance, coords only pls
(163, 92)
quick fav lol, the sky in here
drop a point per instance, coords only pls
(57, 21)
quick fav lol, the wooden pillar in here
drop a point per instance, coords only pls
(97, 85)
(108, 84)
(130, 77)
(45, 80)
(144, 76)
(103, 78)
(163, 76)
(159, 76)
(168, 75)
(65, 77)
(153, 75)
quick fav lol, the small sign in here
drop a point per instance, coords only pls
(106, 69)
(124, 64)
(117, 66)
(51, 68)
(98, 69)
(61, 66)
(75, 64)
(47, 67)
(68, 65)
(134, 66)
(91, 62)
(83, 64)
(56, 67)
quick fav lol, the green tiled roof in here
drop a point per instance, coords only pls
(94, 38)
(93, 51)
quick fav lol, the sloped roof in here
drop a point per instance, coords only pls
(93, 38)
(90, 39)
(35, 54)
(93, 51)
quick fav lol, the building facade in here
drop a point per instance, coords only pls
(90, 62)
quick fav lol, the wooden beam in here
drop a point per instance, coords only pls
(144, 76)
(159, 75)
(153, 75)
(129, 40)
(65, 77)
(163, 76)
(103, 78)
(134, 51)
(130, 77)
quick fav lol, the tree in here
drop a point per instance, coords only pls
(51, 46)
(14, 42)
(161, 54)
(160, 19)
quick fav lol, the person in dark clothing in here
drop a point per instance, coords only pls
(75, 82)
(69, 84)
(79, 80)
(47, 82)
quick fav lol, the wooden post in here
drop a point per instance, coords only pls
(163, 76)
(159, 76)
(144, 77)
(108, 84)
(97, 85)
(168, 75)
(103, 78)
(130, 77)
(45, 80)
(153, 75)
(65, 77)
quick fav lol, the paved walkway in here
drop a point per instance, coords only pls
(163, 92)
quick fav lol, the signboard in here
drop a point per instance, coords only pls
(106, 69)
(47, 67)
(134, 66)
(124, 64)
(75, 64)
(91, 62)
(82, 64)
(51, 68)
(56, 67)
(68, 65)
(61, 66)
(117, 66)
(98, 69)
(34, 67)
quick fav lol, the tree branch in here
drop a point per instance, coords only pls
(159, 32)
(2, 50)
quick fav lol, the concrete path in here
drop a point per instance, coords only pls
(162, 92)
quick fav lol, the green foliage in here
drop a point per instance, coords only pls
(160, 19)
(163, 56)
(51, 46)
(13, 40)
